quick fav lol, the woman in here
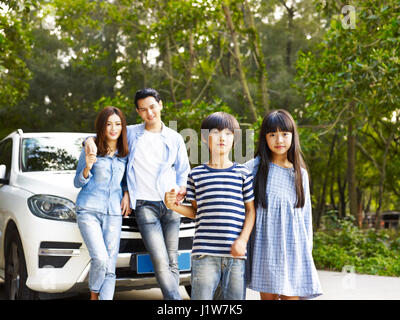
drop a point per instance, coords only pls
(98, 205)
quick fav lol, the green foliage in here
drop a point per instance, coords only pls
(188, 115)
(370, 251)
(15, 42)
(352, 76)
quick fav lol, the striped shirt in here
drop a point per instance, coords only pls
(220, 195)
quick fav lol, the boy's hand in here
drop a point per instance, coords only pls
(238, 248)
(170, 199)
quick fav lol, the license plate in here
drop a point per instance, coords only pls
(144, 264)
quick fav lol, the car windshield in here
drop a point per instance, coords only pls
(51, 153)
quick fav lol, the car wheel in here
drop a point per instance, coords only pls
(15, 271)
(188, 290)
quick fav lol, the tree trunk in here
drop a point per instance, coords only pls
(261, 66)
(332, 195)
(143, 64)
(382, 182)
(289, 41)
(342, 196)
(188, 90)
(321, 204)
(170, 71)
(351, 171)
(237, 56)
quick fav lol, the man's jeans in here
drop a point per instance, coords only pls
(159, 228)
(101, 233)
(224, 273)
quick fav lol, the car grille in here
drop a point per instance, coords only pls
(129, 224)
(136, 246)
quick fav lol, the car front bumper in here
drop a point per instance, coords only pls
(61, 263)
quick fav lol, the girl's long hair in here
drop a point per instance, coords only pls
(278, 120)
(101, 141)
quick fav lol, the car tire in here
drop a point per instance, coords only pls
(15, 270)
(188, 290)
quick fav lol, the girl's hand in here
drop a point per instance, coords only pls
(238, 248)
(170, 199)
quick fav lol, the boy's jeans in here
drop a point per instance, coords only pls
(210, 271)
(159, 228)
(101, 233)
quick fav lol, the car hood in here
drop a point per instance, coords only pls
(56, 183)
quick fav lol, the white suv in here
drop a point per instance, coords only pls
(41, 249)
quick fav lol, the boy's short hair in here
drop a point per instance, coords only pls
(146, 92)
(221, 120)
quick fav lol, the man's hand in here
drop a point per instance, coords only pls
(170, 199)
(125, 205)
(238, 248)
(180, 196)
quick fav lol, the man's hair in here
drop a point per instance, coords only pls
(144, 93)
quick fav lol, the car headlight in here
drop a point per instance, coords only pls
(52, 207)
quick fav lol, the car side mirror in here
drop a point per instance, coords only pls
(3, 170)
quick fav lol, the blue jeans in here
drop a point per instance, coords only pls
(159, 228)
(209, 272)
(101, 234)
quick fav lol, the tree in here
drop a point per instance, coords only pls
(353, 79)
(15, 42)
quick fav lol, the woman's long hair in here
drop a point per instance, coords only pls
(101, 140)
(278, 120)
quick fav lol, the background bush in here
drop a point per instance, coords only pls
(370, 251)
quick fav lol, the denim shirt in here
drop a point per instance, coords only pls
(102, 191)
(175, 165)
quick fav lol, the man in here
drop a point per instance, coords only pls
(158, 162)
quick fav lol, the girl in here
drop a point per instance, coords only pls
(98, 205)
(280, 263)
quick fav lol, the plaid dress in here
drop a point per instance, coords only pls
(280, 247)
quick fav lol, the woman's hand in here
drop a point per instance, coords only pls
(126, 205)
(90, 160)
(90, 146)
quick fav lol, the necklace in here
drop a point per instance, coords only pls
(111, 150)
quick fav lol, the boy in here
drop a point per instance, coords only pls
(221, 194)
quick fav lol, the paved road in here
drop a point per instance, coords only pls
(336, 286)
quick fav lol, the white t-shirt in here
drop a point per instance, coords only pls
(149, 154)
